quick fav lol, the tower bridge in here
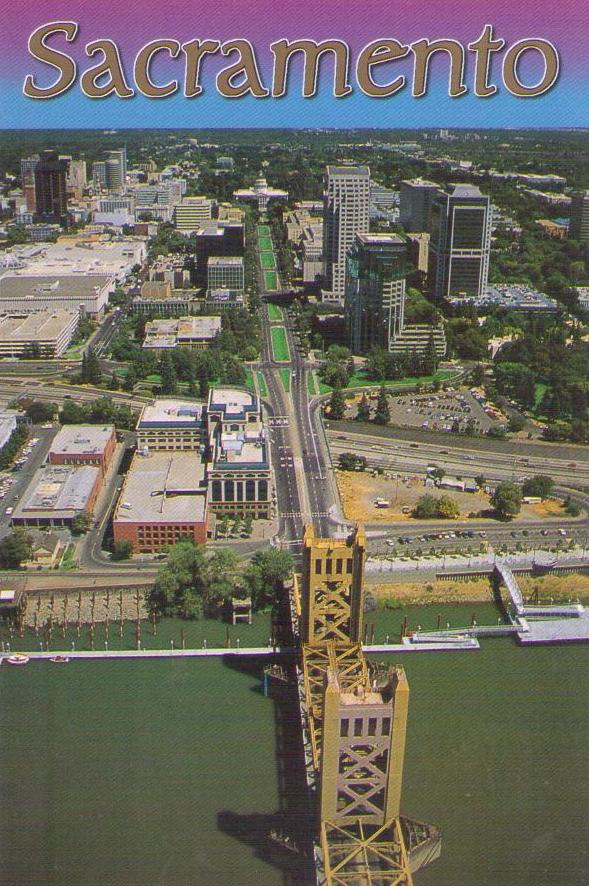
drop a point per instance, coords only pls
(354, 721)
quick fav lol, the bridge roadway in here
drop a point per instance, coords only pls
(304, 482)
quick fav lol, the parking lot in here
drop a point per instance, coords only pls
(14, 481)
(448, 410)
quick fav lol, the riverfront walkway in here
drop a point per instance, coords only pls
(444, 645)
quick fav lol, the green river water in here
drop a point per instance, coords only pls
(135, 773)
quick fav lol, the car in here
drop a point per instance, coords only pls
(545, 532)
(560, 531)
(9, 511)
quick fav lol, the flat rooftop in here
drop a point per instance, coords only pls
(240, 448)
(82, 440)
(81, 255)
(164, 487)
(348, 170)
(57, 490)
(21, 284)
(380, 238)
(233, 401)
(171, 413)
(225, 260)
(184, 328)
(38, 327)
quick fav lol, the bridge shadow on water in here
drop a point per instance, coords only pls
(290, 850)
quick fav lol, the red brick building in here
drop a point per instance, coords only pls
(163, 500)
(84, 445)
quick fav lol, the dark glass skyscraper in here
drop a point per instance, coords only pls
(51, 187)
(460, 243)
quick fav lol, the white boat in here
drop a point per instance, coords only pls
(59, 659)
(18, 659)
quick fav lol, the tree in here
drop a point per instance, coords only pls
(190, 583)
(540, 486)
(516, 424)
(91, 371)
(265, 572)
(337, 405)
(426, 508)
(15, 549)
(203, 382)
(113, 384)
(382, 415)
(447, 508)
(349, 461)
(168, 373)
(363, 413)
(130, 378)
(82, 523)
(429, 507)
(72, 413)
(122, 549)
(40, 412)
(507, 500)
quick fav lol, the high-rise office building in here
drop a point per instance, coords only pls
(50, 186)
(460, 243)
(346, 212)
(218, 238)
(192, 213)
(27, 172)
(579, 227)
(99, 173)
(76, 176)
(417, 197)
(375, 291)
(116, 169)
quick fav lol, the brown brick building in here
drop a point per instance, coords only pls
(84, 445)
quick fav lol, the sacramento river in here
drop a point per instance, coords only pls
(140, 773)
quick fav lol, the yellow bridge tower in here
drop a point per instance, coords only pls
(357, 719)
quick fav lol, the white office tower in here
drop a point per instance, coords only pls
(346, 212)
(116, 169)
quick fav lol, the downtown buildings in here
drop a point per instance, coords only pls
(193, 461)
(460, 243)
(346, 212)
(579, 226)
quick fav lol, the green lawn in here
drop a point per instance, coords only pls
(280, 344)
(285, 379)
(263, 230)
(267, 261)
(265, 244)
(359, 380)
(274, 312)
(540, 391)
(249, 380)
(262, 387)
(311, 386)
(271, 281)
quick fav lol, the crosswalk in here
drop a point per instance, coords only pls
(306, 516)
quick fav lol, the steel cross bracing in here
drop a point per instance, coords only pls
(365, 855)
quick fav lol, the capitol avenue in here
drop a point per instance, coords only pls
(381, 69)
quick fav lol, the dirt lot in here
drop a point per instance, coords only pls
(476, 590)
(560, 588)
(359, 490)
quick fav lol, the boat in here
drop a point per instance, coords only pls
(59, 659)
(18, 659)
(283, 840)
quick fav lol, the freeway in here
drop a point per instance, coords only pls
(56, 392)
(569, 467)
